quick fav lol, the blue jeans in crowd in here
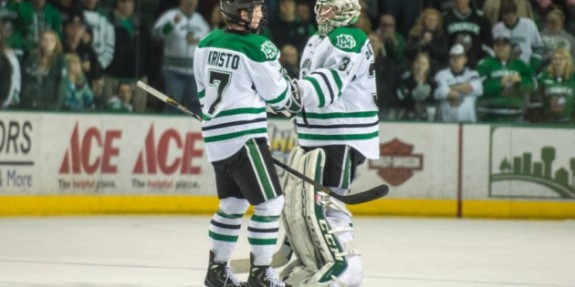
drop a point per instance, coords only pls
(182, 88)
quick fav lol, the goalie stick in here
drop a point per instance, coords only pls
(356, 198)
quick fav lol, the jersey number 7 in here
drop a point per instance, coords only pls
(222, 81)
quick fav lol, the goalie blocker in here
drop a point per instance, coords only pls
(319, 229)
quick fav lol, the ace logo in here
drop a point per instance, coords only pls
(171, 153)
(91, 152)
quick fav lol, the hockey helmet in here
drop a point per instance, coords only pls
(336, 13)
(231, 10)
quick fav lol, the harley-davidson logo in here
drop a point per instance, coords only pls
(397, 162)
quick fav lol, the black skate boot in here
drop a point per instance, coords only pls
(264, 276)
(221, 275)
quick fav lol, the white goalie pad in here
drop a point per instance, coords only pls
(315, 239)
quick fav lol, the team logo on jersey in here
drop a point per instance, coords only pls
(270, 50)
(345, 41)
(397, 162)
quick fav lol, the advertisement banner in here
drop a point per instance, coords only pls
(531, 163)
(112, 154)
(118, 162)
(67, 154)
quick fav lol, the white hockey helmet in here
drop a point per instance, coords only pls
(336, 13)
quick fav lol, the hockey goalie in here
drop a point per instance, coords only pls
(337, 131)
(318, 228)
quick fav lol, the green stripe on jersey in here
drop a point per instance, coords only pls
(318, 90)
(337, 81)
(346, 170)
(233, 112)
(256, 47)
(338, 137)
(235, 135)
(341, 115)
(261, 171)
(221, 237)
(279, 98)
(201, 94)
(258, 241)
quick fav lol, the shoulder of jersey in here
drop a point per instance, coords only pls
(479, 12)
(544, 77)
(348, 39)
(443, 73)
(486, 60)
(255, 47)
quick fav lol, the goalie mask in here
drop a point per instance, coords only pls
(336, 13)
(232, 12)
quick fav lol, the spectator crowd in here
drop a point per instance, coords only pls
(436, 60)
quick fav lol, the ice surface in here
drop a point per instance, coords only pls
(171, 251)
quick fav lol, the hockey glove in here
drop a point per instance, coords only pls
(294, 105)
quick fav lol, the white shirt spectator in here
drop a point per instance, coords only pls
(181, 35)
(103, 36)
(465, 112)
(524, 35)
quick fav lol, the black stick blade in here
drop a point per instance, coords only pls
(363, 197)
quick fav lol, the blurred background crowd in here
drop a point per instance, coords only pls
(436, 60)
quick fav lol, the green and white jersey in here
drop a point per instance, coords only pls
(337, 83)
(557, 96)
(500, 100)
(527, 42)
(237, 75)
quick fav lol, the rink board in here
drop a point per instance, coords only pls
(114, 164)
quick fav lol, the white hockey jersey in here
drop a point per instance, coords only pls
(103, 36)
(337, 82)
(525, 37)
(445, 79)
(237, 75)
(179, 39)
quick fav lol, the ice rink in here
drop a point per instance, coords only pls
(172, 251)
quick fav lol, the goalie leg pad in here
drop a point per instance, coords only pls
(319, 229)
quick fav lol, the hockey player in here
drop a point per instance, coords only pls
(337, 130)
(524, 35)
(238, 74)
(470, 28)
(457, 88)
(507, 83)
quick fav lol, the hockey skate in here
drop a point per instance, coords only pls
(221, 275)
(264, 276)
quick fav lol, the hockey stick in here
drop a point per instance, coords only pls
(166, 99)
(357, 198)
